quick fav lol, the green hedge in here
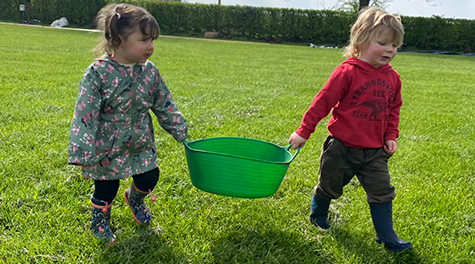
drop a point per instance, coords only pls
(269, 24)
(438, 33)
(258, 23)
(78, 12)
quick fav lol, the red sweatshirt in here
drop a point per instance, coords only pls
(365, 102)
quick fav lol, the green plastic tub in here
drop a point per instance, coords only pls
(237, 167)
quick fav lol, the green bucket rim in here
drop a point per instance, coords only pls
(286, 148)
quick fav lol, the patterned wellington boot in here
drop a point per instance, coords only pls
(134, 198)
(100, 220)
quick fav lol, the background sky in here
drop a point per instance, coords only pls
(417, 8)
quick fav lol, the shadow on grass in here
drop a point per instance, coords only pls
(366, 252)
(145, 246)
(266, 246)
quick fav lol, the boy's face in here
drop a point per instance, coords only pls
(378, 52)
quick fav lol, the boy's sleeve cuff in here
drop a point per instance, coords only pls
(391, 136)
(303, 133)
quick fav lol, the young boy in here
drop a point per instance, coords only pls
(364, 95)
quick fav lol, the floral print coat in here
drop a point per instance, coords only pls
(111, 131)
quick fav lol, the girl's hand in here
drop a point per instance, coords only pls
(390, 147)
(296, 141)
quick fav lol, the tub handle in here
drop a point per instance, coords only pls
(297, 150)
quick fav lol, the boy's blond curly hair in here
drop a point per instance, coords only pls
(374, 24)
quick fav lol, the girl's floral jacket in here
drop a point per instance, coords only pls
(111, 132)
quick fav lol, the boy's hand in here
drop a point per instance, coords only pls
(390, 147)
(296, 141)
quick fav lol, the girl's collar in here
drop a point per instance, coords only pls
(128, 65)
(109, 57)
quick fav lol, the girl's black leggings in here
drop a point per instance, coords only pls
(107, 190)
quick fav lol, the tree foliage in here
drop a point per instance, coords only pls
(354, 6)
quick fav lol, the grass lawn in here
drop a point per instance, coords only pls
(230, 89)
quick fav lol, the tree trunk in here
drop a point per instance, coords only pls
(363, 4)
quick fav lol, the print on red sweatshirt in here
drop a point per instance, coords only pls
(364, 102)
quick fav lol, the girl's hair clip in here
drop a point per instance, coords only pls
(118, 16)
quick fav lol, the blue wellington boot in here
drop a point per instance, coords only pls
(319, 212)
(382, 215)
(100, 221)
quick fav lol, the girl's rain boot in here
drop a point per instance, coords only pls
(100, 220)
(134, 198)
(319, 212)
(382, 215)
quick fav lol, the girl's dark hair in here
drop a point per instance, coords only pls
(118, 21)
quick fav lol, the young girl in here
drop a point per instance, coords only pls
(111, 133)
(364, 95)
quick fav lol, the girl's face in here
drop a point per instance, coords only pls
(378, 52)
(137, 48)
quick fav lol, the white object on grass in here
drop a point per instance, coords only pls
(60, 22)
